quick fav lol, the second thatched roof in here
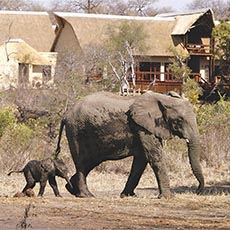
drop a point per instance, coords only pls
(162, 32)
(35, 28)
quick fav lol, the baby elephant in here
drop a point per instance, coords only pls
(41, 171)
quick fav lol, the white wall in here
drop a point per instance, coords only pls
(8, 71)
(204, 68)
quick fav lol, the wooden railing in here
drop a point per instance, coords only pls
(151, 81)
(199, 49)
(153, 76)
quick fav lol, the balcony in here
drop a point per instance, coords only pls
(152, 81)
(199, 49)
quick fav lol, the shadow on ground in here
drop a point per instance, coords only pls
(220, 188)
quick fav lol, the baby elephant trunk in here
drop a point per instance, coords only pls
(68, 182)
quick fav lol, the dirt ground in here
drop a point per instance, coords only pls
(108, 211)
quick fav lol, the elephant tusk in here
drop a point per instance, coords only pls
(187, 140)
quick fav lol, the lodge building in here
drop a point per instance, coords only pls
(188, 32)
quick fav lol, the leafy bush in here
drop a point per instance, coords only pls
(7, 118)
(191, 90)
(214, 123)
(15, 143)
(214, 116)
(21, 134)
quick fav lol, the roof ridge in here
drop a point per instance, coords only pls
(183, 13)
(109, 16)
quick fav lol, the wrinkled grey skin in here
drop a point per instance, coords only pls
(104, 126)
(41, 171)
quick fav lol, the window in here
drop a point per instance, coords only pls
(168, 74)
(145, 66)
(37, 68)
(150, 71)
(46, 73)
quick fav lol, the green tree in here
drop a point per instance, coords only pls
(131, 32)
(178, 67)
(181, 71)
(192, 90)
(222, 38)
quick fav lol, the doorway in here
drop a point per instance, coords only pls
(194, 64)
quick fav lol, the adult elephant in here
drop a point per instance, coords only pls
(104, 126)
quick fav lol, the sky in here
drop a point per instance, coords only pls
(175, 4)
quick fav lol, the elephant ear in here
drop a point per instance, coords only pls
(149, 111)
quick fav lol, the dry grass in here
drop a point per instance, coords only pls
(107, 211)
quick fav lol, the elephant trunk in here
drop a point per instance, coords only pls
(194, 151)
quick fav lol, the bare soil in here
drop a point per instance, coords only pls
(107, 211)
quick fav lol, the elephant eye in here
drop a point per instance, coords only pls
(177, 124)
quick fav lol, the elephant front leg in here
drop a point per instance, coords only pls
(160, 172)
(152, 148)
(53, 184)
(138, 167)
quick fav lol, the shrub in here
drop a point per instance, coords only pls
(7, 118)
(191, 90)
(21, 134)
(213, 116)
(214, 123)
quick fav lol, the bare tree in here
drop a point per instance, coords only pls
(130, 7)
(57, 5)
(87, 6)
(123, 42)
(37, 6)
(219, 7)
(127, 70)
(13, 5)
(142, 7)
(118, 7)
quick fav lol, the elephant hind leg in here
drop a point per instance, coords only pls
(78, 180)
(29, 185)
(138, 167)
(80, 188)
(30, 182)
(82, 185)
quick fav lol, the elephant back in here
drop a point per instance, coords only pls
(99, 108)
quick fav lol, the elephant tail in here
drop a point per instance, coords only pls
(58, 148)
(20, 171)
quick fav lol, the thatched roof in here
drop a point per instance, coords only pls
(160, 30)
(34, 28)
(19, 50)
(185, 20)
(93, 29)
